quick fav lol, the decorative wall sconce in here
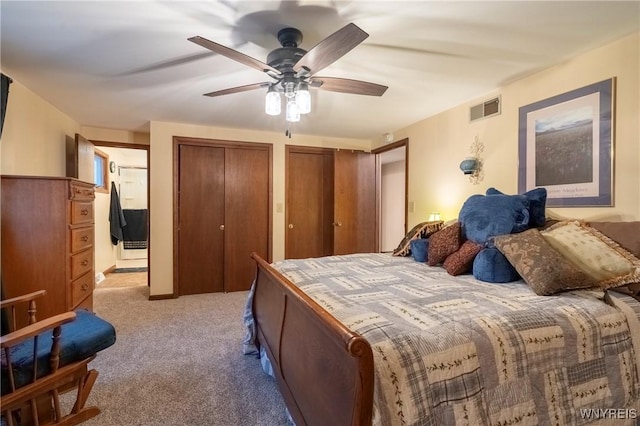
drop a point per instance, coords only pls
(434, 216)
(472, 166)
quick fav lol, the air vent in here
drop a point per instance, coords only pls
(485, 109)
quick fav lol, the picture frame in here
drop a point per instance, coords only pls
(565, 144)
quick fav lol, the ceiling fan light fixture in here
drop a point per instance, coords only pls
(292, 113)
(272, 102)
(303, 98)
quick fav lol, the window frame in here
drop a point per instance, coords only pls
(104, 159)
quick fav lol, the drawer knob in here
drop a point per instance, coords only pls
(84, 212)
(84, 262)
(84, 287)
(85, 238)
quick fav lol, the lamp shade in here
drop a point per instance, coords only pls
(469, 165)
(272, 102)
(293, 113)
(303, 99)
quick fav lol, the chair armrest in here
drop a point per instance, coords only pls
(20, 299)
(11, 339)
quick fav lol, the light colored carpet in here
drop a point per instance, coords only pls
(179, 362)
(123, 279)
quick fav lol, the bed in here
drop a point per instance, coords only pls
(376, 339)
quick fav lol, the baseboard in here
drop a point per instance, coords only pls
(109, 270)
(161, 296)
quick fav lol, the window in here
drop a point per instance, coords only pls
(101, 171)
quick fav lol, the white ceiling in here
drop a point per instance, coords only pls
(122, 64)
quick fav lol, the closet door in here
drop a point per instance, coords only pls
(247, 214)
(354, 217)
(201, 213)
(309, 176)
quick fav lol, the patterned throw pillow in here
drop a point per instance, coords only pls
(421, 230)
(443, 243)
(541, 266)
(461, 261)
(594, 253)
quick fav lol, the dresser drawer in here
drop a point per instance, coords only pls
(81, 212)
(79, 191)
(81, 263)
(81, 238)
(81, 288)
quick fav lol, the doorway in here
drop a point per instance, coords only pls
(392, 162)
(125, 264)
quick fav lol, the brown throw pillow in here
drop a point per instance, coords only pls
(461, 261)
(541, 266)
(421, 230)
(627, 234)
(443, 243)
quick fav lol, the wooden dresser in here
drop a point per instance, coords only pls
(47, 241)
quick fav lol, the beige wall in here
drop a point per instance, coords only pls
(439, 143)
(33, 138)
(161, 197)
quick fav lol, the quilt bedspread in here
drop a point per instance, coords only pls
(455, 350)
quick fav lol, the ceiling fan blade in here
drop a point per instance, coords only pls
(238, 89)
(331, 49)
(345, 85)
(233, 54)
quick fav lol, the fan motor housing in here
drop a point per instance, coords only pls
(285, 58)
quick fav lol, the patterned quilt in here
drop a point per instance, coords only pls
(458, 351)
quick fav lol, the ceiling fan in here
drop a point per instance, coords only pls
(294, 69)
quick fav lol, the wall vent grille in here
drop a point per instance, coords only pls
(485, 109)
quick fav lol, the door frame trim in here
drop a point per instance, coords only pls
(219, 143)
(394, 145)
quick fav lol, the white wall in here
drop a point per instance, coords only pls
(392, 205)
(439, 143)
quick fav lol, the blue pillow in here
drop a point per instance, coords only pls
(419, 249)
(491, 266)
(485, 216)
(537, 198)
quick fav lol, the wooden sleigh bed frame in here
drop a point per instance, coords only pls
(324, 371)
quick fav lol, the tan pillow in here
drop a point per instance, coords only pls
(594, 253)
(541, 266)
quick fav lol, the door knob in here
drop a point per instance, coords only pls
(291, 226)
(222, 227)
(337, 223)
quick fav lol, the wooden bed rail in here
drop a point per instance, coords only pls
(324, 370)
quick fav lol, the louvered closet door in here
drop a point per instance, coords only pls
(247, 207)
(201, 214)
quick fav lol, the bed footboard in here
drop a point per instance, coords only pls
(323, 370)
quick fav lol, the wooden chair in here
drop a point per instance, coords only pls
(46, 358)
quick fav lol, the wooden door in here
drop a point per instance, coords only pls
(201, 212)
(309, 196)
(354, 202)
(247, 214)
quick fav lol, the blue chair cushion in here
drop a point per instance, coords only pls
(84, 337)
(419, 249)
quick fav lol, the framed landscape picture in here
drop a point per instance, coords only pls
(565, 144)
